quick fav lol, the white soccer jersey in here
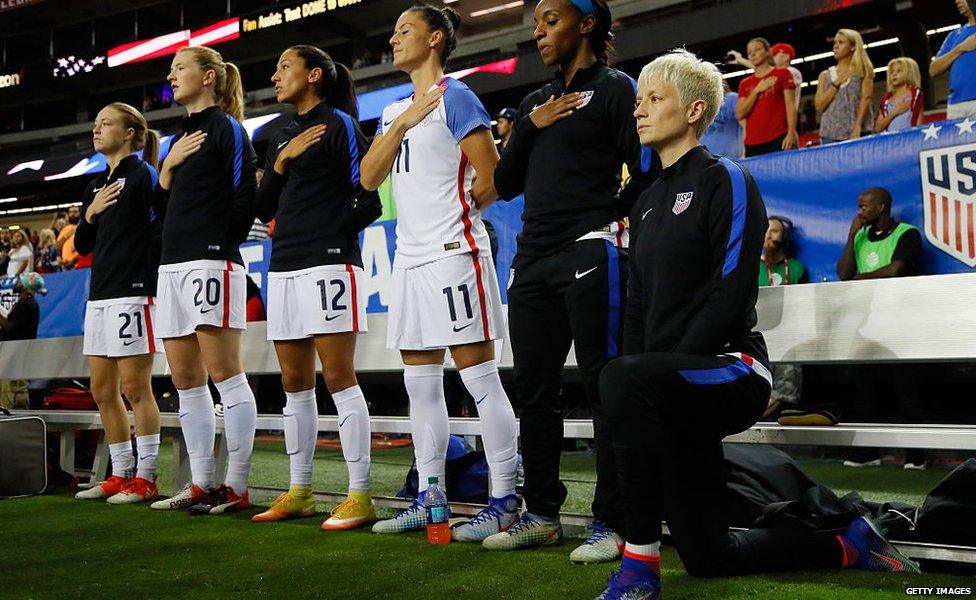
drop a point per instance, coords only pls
(436, 217)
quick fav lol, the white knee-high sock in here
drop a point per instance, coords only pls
(148, 449)
(123, 461)
(428, 420)
(199, 426)
(301, 418)
(354, 433)
(499, 430)
(240, 418)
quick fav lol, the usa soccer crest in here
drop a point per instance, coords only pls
(949, 196)
(587, 96)
(681, 202)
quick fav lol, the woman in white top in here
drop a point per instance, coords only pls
(21, 254)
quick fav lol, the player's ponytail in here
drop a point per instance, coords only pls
(445, 20)
(150, 153)
(336, 86)
(228, 88)
(143, 138)
(231, 98)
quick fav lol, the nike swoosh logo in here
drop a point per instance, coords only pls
(344, 420)
(536, 106)
(645, 213)
(129, 343)
(482, 399)
(332, 318)
(282, 144)
(584, 273)
(387, 123)
(457, 329)
(205, 311)
(896, 564)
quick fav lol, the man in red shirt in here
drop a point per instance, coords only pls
(767, 102)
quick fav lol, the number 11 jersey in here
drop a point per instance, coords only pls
(431, 178)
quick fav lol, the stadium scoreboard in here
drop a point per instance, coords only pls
(296, 13)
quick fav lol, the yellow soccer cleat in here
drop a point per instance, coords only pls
(287, 506)
(354, 511)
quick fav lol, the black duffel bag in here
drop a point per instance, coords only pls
(23, 455)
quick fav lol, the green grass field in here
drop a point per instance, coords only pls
(56, 547)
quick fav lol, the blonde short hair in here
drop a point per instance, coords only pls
(914, 75)
(694, 79)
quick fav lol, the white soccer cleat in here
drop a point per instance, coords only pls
(603, 545)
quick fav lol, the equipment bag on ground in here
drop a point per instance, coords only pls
(23, 455)
(948, 514)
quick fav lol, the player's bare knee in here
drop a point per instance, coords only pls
(136, 392)
(224, 372)
(339, 379)
(103, 396)
(296, 382)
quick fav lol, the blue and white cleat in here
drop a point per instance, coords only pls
(530, 531)
(412, 518)
(603, 545)
(498, 516)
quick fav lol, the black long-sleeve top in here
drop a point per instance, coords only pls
(210, 204)
(125, 237)
(693, 270)
(319, 203)
(569, 171)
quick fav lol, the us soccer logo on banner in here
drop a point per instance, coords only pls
(949, 193)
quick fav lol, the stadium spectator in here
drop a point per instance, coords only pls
(776, 268)
(878, 246)
(47, 259)
(724, 136)
(66, 238)
(20, 323)
(844, 93)
(259, 231)
(4, 249)
(57, 222)
(783, 55)
(694, 369)
(21, 256)
(767, 103)
(68, 227)
(902, 104)
(958, 56)
(776, 265)
(504, 123)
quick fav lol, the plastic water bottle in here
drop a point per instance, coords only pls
(438, 512)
